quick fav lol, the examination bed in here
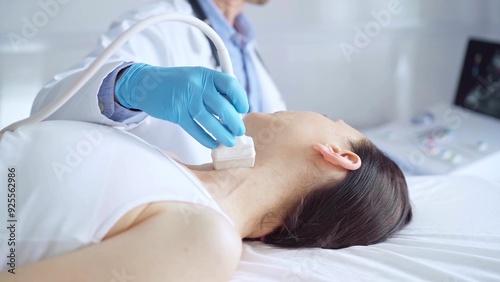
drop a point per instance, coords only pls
(454, 236)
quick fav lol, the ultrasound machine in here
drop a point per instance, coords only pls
(458, 138)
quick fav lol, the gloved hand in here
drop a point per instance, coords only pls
(185, 96)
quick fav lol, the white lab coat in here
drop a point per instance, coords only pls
(164, 44)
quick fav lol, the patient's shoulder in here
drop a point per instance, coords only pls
(193, 216)
(205, 238)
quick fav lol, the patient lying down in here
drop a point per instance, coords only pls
(316, 183)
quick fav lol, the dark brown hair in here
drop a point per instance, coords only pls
(365, 208)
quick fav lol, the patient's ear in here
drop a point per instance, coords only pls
(334, 155)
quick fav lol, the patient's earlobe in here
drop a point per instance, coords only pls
(334, 155)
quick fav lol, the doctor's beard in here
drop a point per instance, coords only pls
(258, 2)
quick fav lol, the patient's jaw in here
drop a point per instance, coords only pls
(290, 135)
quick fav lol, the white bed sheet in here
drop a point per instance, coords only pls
(454, 236)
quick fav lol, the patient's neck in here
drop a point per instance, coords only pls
(247, 195)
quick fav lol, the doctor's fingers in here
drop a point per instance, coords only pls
(232, 89)
(211, 124)
(220, 106)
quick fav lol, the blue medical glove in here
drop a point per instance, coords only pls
(185, 96)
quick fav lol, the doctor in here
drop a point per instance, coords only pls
(166, 79)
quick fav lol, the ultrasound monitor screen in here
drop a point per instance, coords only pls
(479, 87)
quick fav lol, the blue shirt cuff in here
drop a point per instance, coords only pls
(106, 97)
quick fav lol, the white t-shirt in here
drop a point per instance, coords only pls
(72, 181)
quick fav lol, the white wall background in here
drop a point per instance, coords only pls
(412, 62)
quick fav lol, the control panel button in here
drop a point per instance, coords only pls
(445, 154)
(456, 159)
(424, 118)
(482, 146)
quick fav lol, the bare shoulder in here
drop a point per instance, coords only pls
(204, 237)
(187, 214)
(183, 215)
(196, 220)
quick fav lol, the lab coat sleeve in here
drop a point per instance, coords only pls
(106, 97)
(84, 105)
